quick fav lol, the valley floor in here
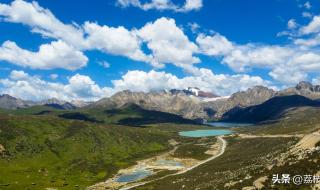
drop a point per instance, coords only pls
(215, 150)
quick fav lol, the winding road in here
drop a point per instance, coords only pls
(223, 145)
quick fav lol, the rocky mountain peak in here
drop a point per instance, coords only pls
(303, 85)
(307, 87)
(7, 96)
(10, 102)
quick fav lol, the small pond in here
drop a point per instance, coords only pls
(168, 162)
(134, 176)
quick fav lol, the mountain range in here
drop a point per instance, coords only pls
(190, 103)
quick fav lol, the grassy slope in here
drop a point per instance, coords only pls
(270, 110)
(296, 121)
(47, 147)
(130, 115)
(242, 157)
(53, 152)
(249, 157)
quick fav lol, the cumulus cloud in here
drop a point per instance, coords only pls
(312, 27)
(57, 54)
(25, 86)
(292, 24)
(288, 64)
(188, 5)
(81, 87)
(206, 80)
(117, 41)
(215, 45)
(41, 21)
(172, 46)
(306, 14)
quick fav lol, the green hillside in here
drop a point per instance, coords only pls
(45, 151)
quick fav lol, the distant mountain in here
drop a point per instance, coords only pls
(304, 89)
(269, 110)
(57, 104)
(252, 96)
(10, 102)
(194, 91)
(189, 102)
(175, 102)
(79, 103)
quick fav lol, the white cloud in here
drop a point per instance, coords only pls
(104, 64)
(18, 75)
(312, 27)
(57, 54)
(288, 75)
(53, 76)
(117, 41)
(307, 5)
(208, 81)
(171, 46)
(288, 64)
(292, 24)
(194, 27)
(192, 5)
(215, 45)
(189, 5)
(41, 21)
(306, 14)
(79, 87)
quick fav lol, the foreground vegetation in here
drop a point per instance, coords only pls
(248, 159)
(301, 120)
(43, 147)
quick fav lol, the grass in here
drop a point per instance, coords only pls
(295, 121)
(195, 148)
(46, 151)
(242, 157)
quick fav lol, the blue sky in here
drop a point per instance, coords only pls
(93, 49)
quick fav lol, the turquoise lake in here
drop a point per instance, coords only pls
(228, 124)
(205, 133)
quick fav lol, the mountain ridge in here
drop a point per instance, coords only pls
(190, 103)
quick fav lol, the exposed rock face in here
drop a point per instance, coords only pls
(9, 102)
(250, 97)
(304, 89)
(58, 104)
(191, 103)
(79, 103)
(194, 91)
(12, 103)
(181, 103)
(171, 102)
(272, 109)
